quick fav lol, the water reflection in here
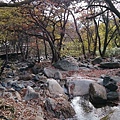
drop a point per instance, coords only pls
(86, 111)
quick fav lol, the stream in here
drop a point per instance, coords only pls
(86, 111)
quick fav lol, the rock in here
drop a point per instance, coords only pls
(17, 86)
(26, 77)
(111, 86)
(40, 66)
(30, 94)
(30, 64)
(24, 68)
(58, 75)
(106, 79)
(9, 74)
(52, 73)
(110, 83)
(39, 118)
(2, 90)
(97, 94)
(112, 96)
(115, 78)
(99, 81)
(110, 65)
(80, 64)
(71, 59)
(18, 96)
(39, 78)
(67, 64)
(59, 107)
(35, 70)
(54, 87)
(79, 86)
(85, 68)
(97, 60)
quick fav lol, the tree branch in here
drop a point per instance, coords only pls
(95, 15)
(112, 7)
(17, 4)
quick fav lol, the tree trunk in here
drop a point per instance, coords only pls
(38, 51)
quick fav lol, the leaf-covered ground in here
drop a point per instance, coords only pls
(22, 110)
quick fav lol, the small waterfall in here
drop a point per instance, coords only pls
(86, 111)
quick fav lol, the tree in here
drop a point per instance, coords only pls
(105, 4)
(107, 33)
(48, 23)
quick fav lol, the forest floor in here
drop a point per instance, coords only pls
(23, 111)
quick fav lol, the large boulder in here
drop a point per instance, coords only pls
(59, 107)
(67, 64)
(97, 93)
(54, 87)
(79, 86)
(110, 65)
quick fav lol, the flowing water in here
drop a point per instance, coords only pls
(86, 111)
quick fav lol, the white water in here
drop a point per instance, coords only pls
(86, 111)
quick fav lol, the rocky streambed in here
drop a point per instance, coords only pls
(39, 91)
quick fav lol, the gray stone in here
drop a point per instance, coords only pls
(97, 93)
(54, 87)
(39, 78)
(26, 77)
(97, 60)
(111, 86)
(39, 118)
(49, 72)
(106, 80)
(59, 107)
(52, 73)
(2, 88)
(115, 78)
(71, 59)
(27, 83)
(67, 65)
(58, 75)
(79, 86)
(112, 96)
(109, 83)
(110, 65)
(30, 94)
(17, 86)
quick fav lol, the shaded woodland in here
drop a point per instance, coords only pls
(53, 29)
